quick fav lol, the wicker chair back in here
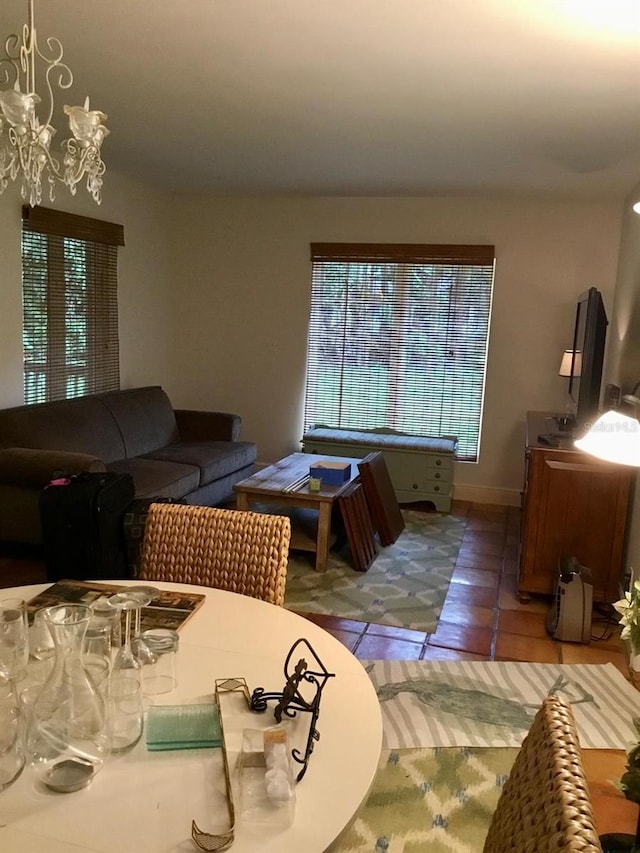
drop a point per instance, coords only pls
(243, 552)
(544, 805)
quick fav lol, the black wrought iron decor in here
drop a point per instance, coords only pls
(310, 677)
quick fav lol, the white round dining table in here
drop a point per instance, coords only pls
(144, 802)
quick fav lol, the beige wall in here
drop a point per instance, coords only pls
(218, 313)
(242, 285)
(624, 332)
(144, 294)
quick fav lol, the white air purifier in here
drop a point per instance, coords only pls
(569, 618)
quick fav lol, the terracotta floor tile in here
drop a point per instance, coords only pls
(394, 633)
(467, 614)
(483, 542)
(612, 642)
(489, 525)
(605, 638)
(513, 519)
(337, 623)
(460, 509)
(510, 568)
(527, 624)
(467, 639)
(347, 638)
(465, 593)
(593, 653)
(468, 558)
(374, 647)
(480, 508)
(438, 653)
(521, 648)
(511, 548)
(509, 600)
(475, 577)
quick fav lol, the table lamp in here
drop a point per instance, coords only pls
(565, 364)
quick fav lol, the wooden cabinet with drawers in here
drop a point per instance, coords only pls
(572, 504)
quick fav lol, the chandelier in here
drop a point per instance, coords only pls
(25, 137)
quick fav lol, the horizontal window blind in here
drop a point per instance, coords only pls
(398, 338)
(70, 305)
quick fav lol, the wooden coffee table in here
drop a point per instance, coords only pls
(272, 484)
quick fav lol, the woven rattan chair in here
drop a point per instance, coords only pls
(243, 552)
(544, 805)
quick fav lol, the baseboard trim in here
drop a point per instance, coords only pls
(486, 495)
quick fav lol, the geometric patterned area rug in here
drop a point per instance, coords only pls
(492, 704)
(436, 800)
(405, 586)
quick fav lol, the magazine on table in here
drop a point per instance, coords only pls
(170, 609)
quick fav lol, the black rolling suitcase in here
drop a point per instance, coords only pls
(82, 530)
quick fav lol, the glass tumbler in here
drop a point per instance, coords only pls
(126, 712)
(11, 742)
(14, 638)
(161, 677)
(104, 612)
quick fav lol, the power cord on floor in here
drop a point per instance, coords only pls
(604, 614)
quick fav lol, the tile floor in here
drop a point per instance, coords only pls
(482, 618)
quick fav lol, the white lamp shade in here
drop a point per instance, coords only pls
(614, 437)
(565, 364)
(567, 360)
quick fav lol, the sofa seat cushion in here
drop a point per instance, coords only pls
(214, 459)
(155, 477)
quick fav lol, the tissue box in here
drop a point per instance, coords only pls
(331, 473)
(267, 780)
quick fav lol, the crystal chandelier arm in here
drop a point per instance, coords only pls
(10, 64)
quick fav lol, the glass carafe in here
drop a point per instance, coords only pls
(68, 738)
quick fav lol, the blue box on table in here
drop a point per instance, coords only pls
(331, 473)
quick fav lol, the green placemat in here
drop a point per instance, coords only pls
(183, 726)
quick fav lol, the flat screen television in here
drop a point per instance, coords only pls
(589, 338)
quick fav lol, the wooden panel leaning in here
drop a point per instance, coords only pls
(545, 805)
(381, 498)
(245, 552)
(358, 526)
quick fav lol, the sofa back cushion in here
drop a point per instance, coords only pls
(81, 425)
(145, 419)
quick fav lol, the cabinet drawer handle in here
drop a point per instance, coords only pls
(415, 485)
(438, 475)
(436, 488)
(438, 461)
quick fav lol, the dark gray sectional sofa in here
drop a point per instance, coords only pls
(194, 455)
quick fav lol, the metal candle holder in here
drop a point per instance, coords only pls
(290, 700)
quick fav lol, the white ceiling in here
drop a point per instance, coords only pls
(358, 97)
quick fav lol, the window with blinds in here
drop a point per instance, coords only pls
(70, 304)
(398, 338)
